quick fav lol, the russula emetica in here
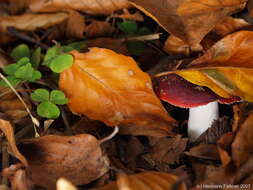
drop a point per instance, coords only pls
(201, 101)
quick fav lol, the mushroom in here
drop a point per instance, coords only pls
(202, 102)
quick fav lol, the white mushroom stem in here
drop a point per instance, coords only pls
(201, 118)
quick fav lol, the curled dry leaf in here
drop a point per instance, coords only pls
(88, 6)
(99, 28)
(204, 151)
(7, 129)
(78, 158)
(112, 89)
(144, 181)
(229, 25)
(186, 19)
(31, 22)
(174, 45)
(242, 145)
(226, 68)
(75, 26)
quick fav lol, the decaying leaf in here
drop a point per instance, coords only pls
(77, 158)
(187, 19)
(31, 22)
(75, 26)
(242, 145)
(167, 150)
(144, 181)
(7, 129)
(90, 6)
(204, 151)
(226, 68)
(112, 89)
(99, 28)
(229, 25)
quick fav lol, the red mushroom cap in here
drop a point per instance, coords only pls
(177, 91)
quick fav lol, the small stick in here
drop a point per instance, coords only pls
(25, 37)
(142, 38)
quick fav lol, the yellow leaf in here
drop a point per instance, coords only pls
(110, 87)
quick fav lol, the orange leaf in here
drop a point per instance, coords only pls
(110, 87)
(144, 181)
(187, 19)
(92, 7)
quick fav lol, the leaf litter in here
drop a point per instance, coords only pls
(113, 125)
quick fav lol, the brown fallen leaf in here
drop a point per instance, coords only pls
(224, 147)
(204, 151)
(137, 16)
(78, 158)
(88, 6)
(144, 181)
(7, 129)
(174, 45)
(99, 28)
(229, 25)
(31, 22)
(167, 150)
(187, 19)
(17, 6)
(75, 26)
(112, 89)
(250, 8)
(242, 144)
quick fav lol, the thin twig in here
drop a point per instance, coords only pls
(66, 122)
(142, 38)
(25, 37)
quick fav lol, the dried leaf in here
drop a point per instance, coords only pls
(204, 151)
(242, 145)
(187, 19)
(174, 45)
(144, 181)
(90, 6)
(7, 129)
(31, 22)
(77, 158)
(250, 8)
(17, 6)
(229, 25)
(75, 26)
(112, 89)
(99, 28)
(167, 150)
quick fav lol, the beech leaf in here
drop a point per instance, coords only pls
(92, 7)
(110, 87)
(76, 158)
(187, 19)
